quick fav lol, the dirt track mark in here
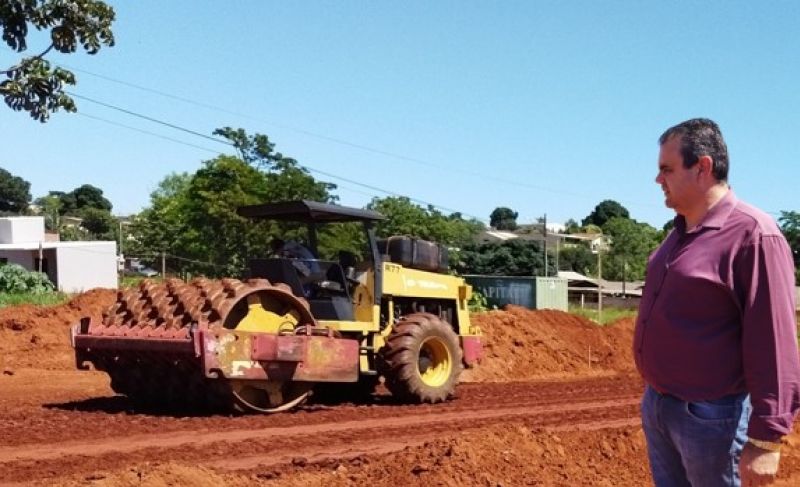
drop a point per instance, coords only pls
(177, 439)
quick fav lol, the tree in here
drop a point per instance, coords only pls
(85, 196)
(193, 218)
(503, 218)
(33, 85)
(50, 206)
(406, 218)
(99, 223)
(514, 257)
(631, 244)
(571, 226)
(287, 179)
(592, 229)
(578, 259)
(15, 193)
(256, 150)
(604, 211)
(790, 226)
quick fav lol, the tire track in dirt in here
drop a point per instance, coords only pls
(104, 417)
(249, 448)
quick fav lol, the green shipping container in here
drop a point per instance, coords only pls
(530, 292)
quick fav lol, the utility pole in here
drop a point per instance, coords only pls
(163, 264)
(600, 285)
(544, 232)
(121, 256)
(41, 256)
(599, 251)
(558, 242)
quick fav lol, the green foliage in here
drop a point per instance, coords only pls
(82, 197)
(33, 85)
(632, 243)
(790, 226)
(157, 228)
(336, 237)
(605, 211)
(99, 223)
(256, 150)
(610, 314)
(577, 258)
(39, 299)
(50, 208)
(510, 258)
(286, 178)
(73, 234)
(571, 226)
(593, 229)
(212, 230)
(406, 218)
(15, 279)
(503, 218)
(193, 216)
(477, 302)
(15, 193)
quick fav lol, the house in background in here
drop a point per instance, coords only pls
(72, 266)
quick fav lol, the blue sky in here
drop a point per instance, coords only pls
(541, 106)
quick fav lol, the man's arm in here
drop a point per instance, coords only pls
(765, 272)
(769, 336)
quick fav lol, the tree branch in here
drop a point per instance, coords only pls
(38, 56)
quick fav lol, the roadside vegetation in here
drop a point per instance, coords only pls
(20, 286)
(610, 315)
(46, 299)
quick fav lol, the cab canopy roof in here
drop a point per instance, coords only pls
(308, 211)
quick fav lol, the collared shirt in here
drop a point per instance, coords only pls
(717, 315)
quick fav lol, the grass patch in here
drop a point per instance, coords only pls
(610, 315)
(133, 281)
(42, 299)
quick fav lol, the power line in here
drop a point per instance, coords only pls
(340, 141)
(222, 141)
(101, 119)
(150, 119)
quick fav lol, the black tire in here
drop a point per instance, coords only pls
(422, 359)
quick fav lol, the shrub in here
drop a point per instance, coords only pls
(16, 279)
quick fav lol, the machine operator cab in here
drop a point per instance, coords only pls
(327, 282)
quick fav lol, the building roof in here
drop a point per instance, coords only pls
(577, 281)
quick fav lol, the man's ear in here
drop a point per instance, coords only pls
(705, 164)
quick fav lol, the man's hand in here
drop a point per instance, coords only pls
(758, 467)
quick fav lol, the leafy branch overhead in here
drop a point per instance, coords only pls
(33, 85)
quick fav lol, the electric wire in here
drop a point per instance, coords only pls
(336, 140)
(227, 143)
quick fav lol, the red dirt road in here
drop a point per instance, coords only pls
(67, 437)
(555, 402)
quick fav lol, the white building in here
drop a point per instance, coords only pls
(72, 266)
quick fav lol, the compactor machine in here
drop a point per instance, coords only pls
(263, 343)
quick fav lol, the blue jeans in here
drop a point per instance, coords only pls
(694, 443)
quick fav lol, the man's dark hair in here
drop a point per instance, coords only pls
(700, 137)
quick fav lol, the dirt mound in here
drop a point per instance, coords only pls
(158, 475)
(519, 344)
(522, 344)
(38, 336)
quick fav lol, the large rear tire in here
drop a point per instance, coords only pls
(422, 359)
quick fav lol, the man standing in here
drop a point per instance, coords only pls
(716, 338)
